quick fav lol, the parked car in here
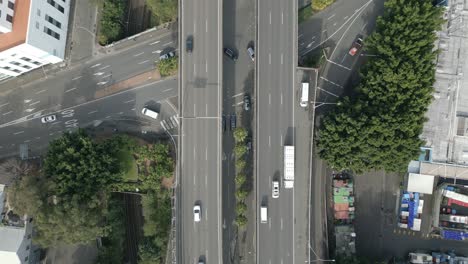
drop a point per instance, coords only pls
(224, 123)
(167, 55)
(230, 53)
(48, 119)
(189, 44)
(249, 145)
(246, 102)
(197, 213)
(251, 52)
(149, 112)
(233, 121)
(357, 45)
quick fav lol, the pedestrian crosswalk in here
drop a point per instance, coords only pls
(170, 123)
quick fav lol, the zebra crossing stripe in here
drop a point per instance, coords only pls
(174, 119)
(163, 125)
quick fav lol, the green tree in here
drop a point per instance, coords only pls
(240, 179)
(111, 25)
(163, 10)
(241, 221)
(240, 165)
(379, 127)
(240, 150)
(241, 208)
(241, 194)
(168, 67)
(240, 134)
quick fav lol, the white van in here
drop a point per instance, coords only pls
(263, 214)
(149, 112)
(304, 94)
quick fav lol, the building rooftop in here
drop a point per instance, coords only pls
(19, 30)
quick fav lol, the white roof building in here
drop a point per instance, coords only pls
(32, 33)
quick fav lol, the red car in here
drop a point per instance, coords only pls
(357, 45)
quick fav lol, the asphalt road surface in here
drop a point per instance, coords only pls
(276, 63)
(200, 148)
(123, 110)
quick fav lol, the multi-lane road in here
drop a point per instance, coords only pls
(276, 61)
(200, 149)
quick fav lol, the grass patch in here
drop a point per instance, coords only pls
(305, 13)
(319, 5)
(314, 59)
(168, 67)
(129, 165)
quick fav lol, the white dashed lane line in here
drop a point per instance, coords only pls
(69, 90)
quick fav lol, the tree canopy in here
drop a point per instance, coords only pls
(379, 127)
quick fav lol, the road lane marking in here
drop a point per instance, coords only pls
(269, 223)
(95, 65)
(194, 153)
(206, 109)
(168, 43)
(324, 31)
(101, 83)
(269, 58)
(4, 104)
(332, 16)
(302, 44)
(41, 91)
(152, 43)
(206, 180)
(300, 35)
(38, 137)
(270, 17)
(364, 26)
(194, 69)
(236, 104)
(206, 25)
(107, 117)
(269, 98)
(346, 17)
(281, 58)
(310, 44)
(69, 90)
(167, 90)
(281, 98)
(281, 140)
(35, 103)
(92, 112)
(334, 24)
(269, 141)
(138, 54)
(105, 67)
(105, 76)
(156, 51)
(327, 92)
(206, 67)
(29, 110)
(26, 141)
(7, 113)
(129, 101)
(76, 78)
(239, 94)
(98, 73)
(282, 22)
(281, 223)
(142, 62)
(334, 83)
(17, 133)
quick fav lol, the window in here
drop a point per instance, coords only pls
(52, 33)
(25, 59)
(35, 62)
(53, 21)
(9, 18)
(54, 4)
(11, 5)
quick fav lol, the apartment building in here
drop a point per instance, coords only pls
(33, 33)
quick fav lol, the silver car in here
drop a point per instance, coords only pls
(48, 119)
(167, 55)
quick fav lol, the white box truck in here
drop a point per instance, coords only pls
(288, 167)
(304, 94)
(263, 214)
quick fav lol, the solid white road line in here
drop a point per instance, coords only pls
(69, 90)
(98, 73)
(35, 103)
(270, 17)
(281, 98)
(95, 65)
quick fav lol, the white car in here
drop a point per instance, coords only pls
(197, 213)
(167, 55)
(150, 113)
(275, 190)
(48, 119)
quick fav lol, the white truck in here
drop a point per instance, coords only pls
(288, 167)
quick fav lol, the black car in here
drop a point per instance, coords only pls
(189, 44)
(233, 121)
(246, 102)
(230, 53)
(224, 123)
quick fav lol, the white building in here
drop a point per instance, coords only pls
(32, 33)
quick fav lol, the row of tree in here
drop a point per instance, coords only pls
(379, 126)
(240, 149)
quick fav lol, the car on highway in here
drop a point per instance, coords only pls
(196, 213)
(251, 52)
(189, 44)
(167, 55)
(149, 112)
(233, 121)
(246, 102)
(357, 45)
(224, 123)
(230, 54)
(275, 189)
(249, 145)
(48, 119)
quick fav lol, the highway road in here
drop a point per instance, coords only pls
(80, 82)
(200, 93)
(276, 61)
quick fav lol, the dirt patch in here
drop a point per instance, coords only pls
(152, 75)
(168, 182)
